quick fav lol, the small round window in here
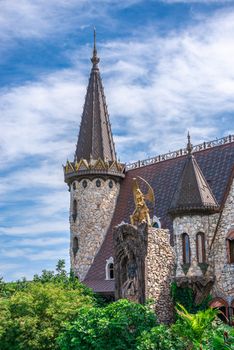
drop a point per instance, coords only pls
(111, 184)
(84, 184)
(98, 183)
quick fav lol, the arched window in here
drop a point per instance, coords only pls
(110, 269)
(186, 249)
(222, 306)
(156, 222)
(230, 247)
(74, 210)
(75, 245)
(200, 243)
(232, 313)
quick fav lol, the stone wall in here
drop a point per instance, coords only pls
(95, 208)
(216, 228)
(144, 267)
(224, 272)
(192, 224)
(160, 266)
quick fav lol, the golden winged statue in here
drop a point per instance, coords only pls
(141, 212)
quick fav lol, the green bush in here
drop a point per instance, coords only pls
(160, 338)
(116, 326)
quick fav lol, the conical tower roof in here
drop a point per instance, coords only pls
(193, 193)
(95, 140)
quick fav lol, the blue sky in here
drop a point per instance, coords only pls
(167, 66)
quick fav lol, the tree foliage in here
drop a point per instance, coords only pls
(116, 326)
(55, 311)
(32, 314)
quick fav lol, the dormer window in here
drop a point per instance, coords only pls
(230, 247)
(110, 269)
(186, 249)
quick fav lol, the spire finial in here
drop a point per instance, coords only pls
(95, 59)
(189, 145)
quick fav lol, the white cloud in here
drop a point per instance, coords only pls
(156, 87)
(36, 228)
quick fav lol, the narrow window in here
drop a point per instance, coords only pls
(74, 185)
(111, 271)
(200, 242)
(74, 210)
(230, 247)
(186, 248)
(75, 246)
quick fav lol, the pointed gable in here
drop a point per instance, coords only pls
(192, 193)
(95, 137)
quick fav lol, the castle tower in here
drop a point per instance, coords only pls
(194, 209)
(93, 177)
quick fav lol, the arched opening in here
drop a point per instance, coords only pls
(156, 222)
(231, 315)
(222, 306)
(110, 269)
(74, 210)
(75, 246)
(230, 247)
(200, 245)
(186, 249)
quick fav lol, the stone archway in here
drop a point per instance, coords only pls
(222, 305)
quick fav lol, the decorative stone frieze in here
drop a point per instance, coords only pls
(144, 267)
(95, 208)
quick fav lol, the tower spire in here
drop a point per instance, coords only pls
(95, 138)
(189, 145)
(95, 59)
(193, 193)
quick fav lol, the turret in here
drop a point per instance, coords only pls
(93, 177)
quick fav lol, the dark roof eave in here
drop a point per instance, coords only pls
(193, 210)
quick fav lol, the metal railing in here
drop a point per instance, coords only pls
(179, 153)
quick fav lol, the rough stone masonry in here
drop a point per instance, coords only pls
(144, 267)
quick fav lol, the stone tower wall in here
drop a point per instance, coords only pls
(224, 272)
(192, 224)
(95, 208)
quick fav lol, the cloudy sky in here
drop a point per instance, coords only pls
(167, 67)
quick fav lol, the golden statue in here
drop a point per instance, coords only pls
(141, 212)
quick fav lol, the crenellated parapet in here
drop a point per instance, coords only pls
(93, 168)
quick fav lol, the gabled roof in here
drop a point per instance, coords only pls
(192, 194)
(216, 164)
(95, 138)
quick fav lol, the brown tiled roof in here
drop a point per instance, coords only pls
(192, 194)
(95, 138)
(216, 164)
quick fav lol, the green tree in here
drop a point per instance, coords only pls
(116, 326)
(32, 314)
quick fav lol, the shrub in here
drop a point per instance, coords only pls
(116, 326)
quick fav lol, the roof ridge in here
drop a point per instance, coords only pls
(181, 152)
